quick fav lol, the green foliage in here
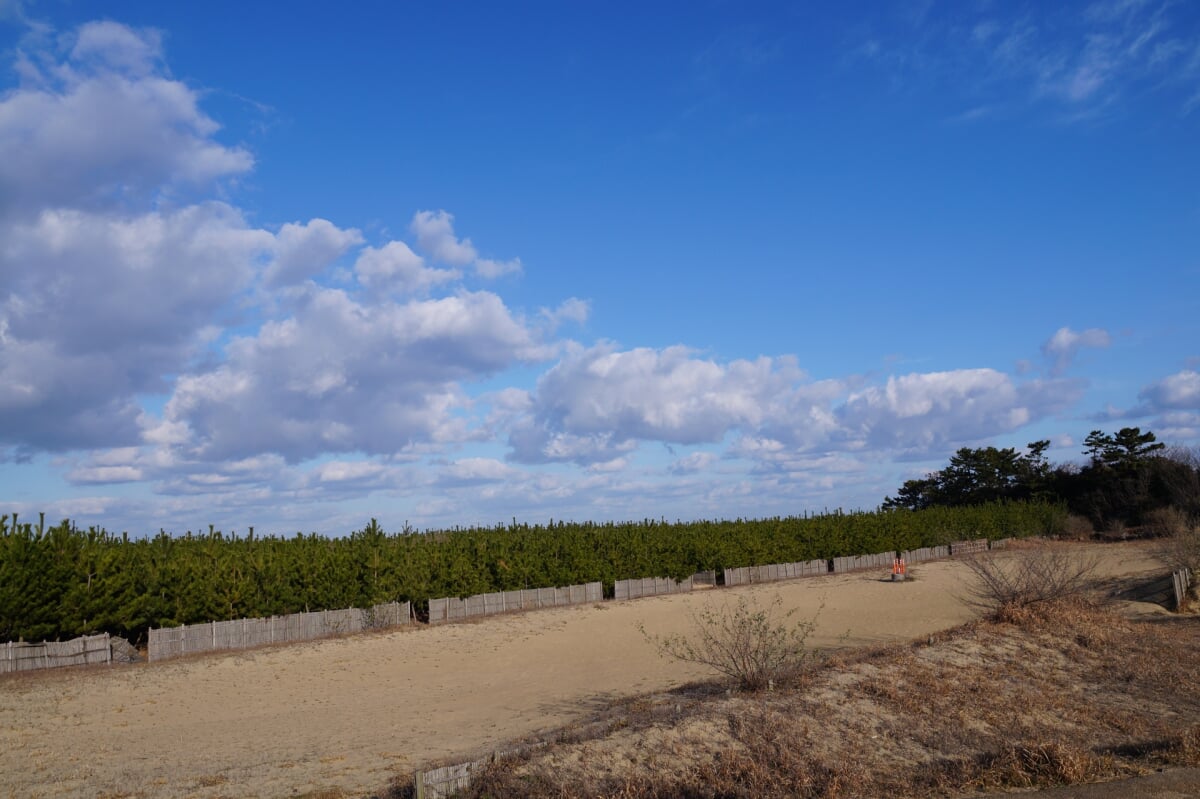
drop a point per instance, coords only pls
(978, 476)
(1126, 450)
(1129, 474)
(59, 582)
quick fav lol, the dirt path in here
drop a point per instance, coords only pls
(351, 713)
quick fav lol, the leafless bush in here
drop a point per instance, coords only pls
(1179, 538)
(757, 646)
(1027, 577)
(1078, 528)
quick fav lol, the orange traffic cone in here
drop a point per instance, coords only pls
(898, 570)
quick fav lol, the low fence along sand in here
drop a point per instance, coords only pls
(748, 575)
(968, 547)
(925, 553)
(170, 642)
(454, 609)
(850, 563)
(83, 651)
(650, 586)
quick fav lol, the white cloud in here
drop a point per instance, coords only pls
(105, 474)
(349, 471)
(435, 235)
(489, 269)
(662, 395)
(572, 309)
(1180, 391)
(341, 376)
(1077, 65)
(934, 411)
(130, 296)
(1064, 345)
(396, 267)
(477, 471)
(304, 251)
(104, 123)
(115, 47)
(693, 462)
(597, 404)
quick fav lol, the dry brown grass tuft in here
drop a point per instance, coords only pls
(1027, 765)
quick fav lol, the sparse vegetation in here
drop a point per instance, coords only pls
(1179, 539)
(1073, 693)
(758, 646)
(1006, 584)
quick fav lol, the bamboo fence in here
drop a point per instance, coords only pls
(454, 609)
(849, 563)
(968, 547)
(748, 575)
(650, 586)
(171, 642)
(82, 651)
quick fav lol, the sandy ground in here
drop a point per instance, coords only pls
(352, 713)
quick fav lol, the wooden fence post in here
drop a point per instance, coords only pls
(419, 782)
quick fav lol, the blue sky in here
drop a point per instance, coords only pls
(459, 264)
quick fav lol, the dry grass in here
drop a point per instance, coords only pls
(1054, 692)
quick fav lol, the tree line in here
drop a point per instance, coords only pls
(1127, 475)
(61, 581)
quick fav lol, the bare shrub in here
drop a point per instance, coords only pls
(1078, 528)
(1179, 544)
(1166, 522)
(1004, 586)
(757, 646)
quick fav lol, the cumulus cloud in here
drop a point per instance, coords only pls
(476, 471)
(434, 231)
(1061, 348)
(595, 402)
(435, 235)
(396, 267)
(928, 412)
(303, 251)
(129, 296)
(341, 376)
(572, 309)
(103, 121)
(1180, 391)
